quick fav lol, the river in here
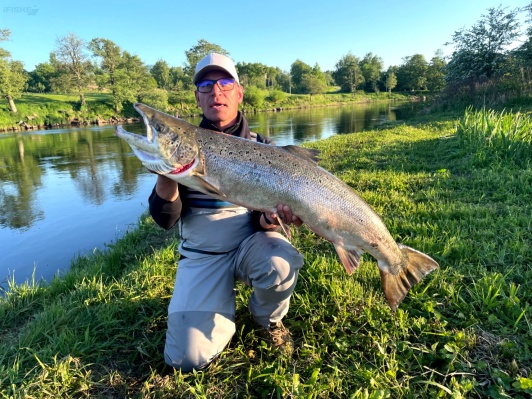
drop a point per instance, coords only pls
(67, 192)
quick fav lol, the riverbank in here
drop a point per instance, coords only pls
(46, 111)
(464, 331)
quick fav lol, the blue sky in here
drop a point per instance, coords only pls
(272, 32)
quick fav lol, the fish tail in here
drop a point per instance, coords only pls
(417, 266)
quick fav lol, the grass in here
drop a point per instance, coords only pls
(56, 109)
(464, 331)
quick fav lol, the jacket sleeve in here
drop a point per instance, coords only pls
(164, 213)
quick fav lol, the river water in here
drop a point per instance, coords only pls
(66, 192)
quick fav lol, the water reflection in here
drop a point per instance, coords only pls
(65, 192)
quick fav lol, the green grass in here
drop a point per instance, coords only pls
(51, 109)
(464, 331)
(497, 135)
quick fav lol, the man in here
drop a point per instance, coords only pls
(221, 243)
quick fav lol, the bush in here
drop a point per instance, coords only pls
(254, 96)
(156, 98)
(276, 96)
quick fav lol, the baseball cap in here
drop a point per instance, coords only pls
(215, 61)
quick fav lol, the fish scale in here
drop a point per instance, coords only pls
(260, 176)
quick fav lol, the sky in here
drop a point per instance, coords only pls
(272, 32)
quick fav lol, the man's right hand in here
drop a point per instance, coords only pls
(166, 188)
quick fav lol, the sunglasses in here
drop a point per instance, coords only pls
(225, 84)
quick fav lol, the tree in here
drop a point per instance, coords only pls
(74, 65)
(297, 70)
(412, 74)
(284, 81)
(12, 76)
(482, 50)
(311, 84)
(138, 83)
(523, 54)
(252, 73)
(161, 73)
(347, 74)
(436, 71)
(41, 77)
(391, 80)
(196, 53)
(371, 67)
(113, 75)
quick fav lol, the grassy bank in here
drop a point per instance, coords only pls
(38, 111)
(464, 331)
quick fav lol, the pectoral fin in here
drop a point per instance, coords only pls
(207, 187)
(350, 259)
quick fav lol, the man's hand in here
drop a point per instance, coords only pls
(284, 213)
(166, 188)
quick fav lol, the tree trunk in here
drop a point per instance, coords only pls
(82, 99)
(12, 105)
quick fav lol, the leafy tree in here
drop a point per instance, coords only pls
(271, 76)
(412, 74)
(371, 66)
(312, 84)
(523, 54)
(284, 81)
(390, 80)
(253, 73)
(12, 76)
(74, 66)
(177, 77)
(41, 77)
(12, 81)
(297, 70)
(482, 50)
(4, 36)
(111, 66)
(348, 74)
(196, 53)
(436, 71)
(161, 73)
(179, 86)
(138, 81)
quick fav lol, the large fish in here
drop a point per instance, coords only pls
(260, 176)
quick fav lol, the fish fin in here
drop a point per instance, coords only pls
(304, 153)
(206, 186)
(418, 265)
(350, 259)
(285, 228)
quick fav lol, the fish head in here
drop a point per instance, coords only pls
(170, 144)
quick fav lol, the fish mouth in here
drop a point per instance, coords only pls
(146, 148)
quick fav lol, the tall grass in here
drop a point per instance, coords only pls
(497, 135)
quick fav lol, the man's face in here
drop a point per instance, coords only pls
(220, 107)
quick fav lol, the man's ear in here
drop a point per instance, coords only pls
(241, 94)
(197, 97)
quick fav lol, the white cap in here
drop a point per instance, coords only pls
(215, 61)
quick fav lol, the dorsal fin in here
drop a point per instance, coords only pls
(304, 153)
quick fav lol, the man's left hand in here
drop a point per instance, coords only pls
(284, 213)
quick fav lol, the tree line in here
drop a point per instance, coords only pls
(482, 55)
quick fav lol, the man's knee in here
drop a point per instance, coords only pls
(194, 339)
(270, 260)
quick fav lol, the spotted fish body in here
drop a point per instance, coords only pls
(260, 176)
